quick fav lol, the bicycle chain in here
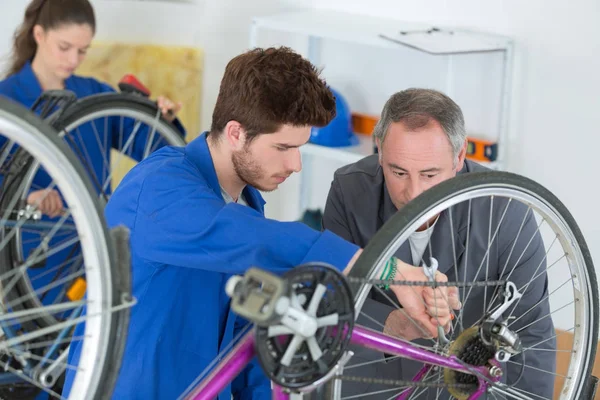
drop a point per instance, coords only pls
(400, 383)
(424, 283)
(403, 383)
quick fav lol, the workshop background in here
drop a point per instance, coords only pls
(551, 104)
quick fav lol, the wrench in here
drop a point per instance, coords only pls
(430, 272)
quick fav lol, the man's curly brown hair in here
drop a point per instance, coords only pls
(263, 89)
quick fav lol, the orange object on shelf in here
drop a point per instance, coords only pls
(363, 123)
(481, 149)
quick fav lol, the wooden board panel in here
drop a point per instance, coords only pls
(172, 71)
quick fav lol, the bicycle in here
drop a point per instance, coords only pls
(133, 127)
(303, 323)
(30, 358)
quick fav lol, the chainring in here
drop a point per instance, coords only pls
(303, 369)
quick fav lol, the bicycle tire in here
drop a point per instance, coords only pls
(113, 278)
(77, 114)
(395, 227)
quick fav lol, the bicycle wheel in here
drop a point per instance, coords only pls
(493, 219)
(28, 356)
(129, 125)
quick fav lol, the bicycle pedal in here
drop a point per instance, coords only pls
(255, 295)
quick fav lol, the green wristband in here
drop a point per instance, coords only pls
(386, 271)
(389, 272)
(392, 274)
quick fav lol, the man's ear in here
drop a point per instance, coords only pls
(235, 135)
(462, 154)
(378, 143)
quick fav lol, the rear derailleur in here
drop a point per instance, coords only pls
(494, 330)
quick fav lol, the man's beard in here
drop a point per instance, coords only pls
(247, 169)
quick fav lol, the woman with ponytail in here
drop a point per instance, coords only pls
(48, 46)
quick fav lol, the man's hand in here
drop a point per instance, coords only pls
(352, 262)
(424, 308)
(48, 201)
(399, 324)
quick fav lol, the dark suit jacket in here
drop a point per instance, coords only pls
(359, 204)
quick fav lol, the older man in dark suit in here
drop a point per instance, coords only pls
(421, 142)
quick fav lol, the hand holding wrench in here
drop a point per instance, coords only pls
(430, 272)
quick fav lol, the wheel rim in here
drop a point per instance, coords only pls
(94, 243)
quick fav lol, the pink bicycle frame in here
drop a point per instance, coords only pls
(242, 353)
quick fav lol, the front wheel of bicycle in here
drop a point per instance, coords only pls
(484, 229)
(29, 355)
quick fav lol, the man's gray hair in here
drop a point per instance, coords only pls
(416, 107)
